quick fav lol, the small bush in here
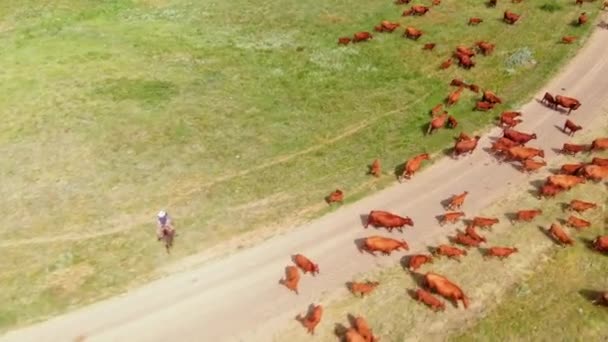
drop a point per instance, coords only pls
(551, 7)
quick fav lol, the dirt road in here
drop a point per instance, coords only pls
(239, 299)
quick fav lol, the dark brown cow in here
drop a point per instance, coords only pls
(413, 165)
(312, 319)
(450, 217)
(446, 288)
(573, 149)
(549, 101)
(474, 88)
(560, 235)
(582, 19)
(416, 261)
(390, 221)
(567, 102)
(450, 251)
(518, 137)
(510, 17)
(599, 144)
(429, 46)
(343, 40)
(452, 122)
(581, 206)
(382, 244)
(362, 36)
(571, 127)
(363, 288)
(430, 300)
(412, 33)
(500, 252)
(475, 21)
(458, 83)
(465, 146)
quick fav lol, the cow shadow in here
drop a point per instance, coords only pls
(537, 183)
(587, 242)
(364, 218)
(398, 171)
(351, 320)
(424, 128)
(602, 24)
(590, 295)
(557, 151)
(284, 278)
(340, 330)
(300, 318)
(405, 262)
(555, 171)
(418, 279)
(412, 294)
(546, 233)
(439, 218)
(512, 217)
(483, 251)
(448, 152)
(565, 206)
(560, 128)
(360, 243)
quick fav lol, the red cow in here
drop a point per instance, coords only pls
(489, 96)
(568, 39)
(577, 223)
(475, 21)
(510, 17)
(560, 235)
(450, 251)
(465, 146)
(364, 330)
(581, 206)
(501, 252)
(599, 144)
(595, 172)
(518, 137)
(522, 153)
(446, 64)
(502, 145)
(375, 168)
(454, 96)
(437, 122)
(363, 288)
(470, 231)
(600, 161)
(430, 300)
(457, 201)
(582, 19)
(292, 278)
(600, 243)
(465, 240)
(450, 217)
(446, 288)
(565, 181)
(305, 264)
(429, 46)
(485, 47)
(571, 127)
(567, 102)
(549, 190)
(312, 319)
(571, 169)
(483, 106)
(484, 222)
(573, 149)
(412, 33)
(343, 40)
(527, 215)
(336, 196)
(418, 260)
(530, 165)
(384, 219)
(362, 36)
(413, 165)
(382, 244)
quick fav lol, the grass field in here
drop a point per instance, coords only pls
(233, 116)
(538, 294)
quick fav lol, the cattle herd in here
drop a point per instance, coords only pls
(511, 147)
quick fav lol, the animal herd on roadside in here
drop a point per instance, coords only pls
(510, 147)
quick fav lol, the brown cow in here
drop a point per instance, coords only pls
(474, 88)
(429, 46)
(413, 165)
(602, 299)
(416, 261)
(522, 153)
(500, 252)
(600, 243)
(492, 3)
(420, 10)
(485, 222)
(572, 127)
(465, 146)
(470, 231)
(457, 201)
(305, 264)
(568, 39)
(502, 145)
(437, 122)
(511, 115)
(450, 217)
(458, 83)
(351, 335)
(567, 102)
(430, 300)
(450, 251)
(389, 26)
(312, 318)
(378, 28)
(292, 278)
(462, 137)
(572, 149)
(577, 223)
(464, 51)
(402, 2)
(483, 106)
(581, 206)
(485, 47)
(363, 288)
(407, 12)
(549, 101)
(565, 181)
(465, 61)
(549, 190)
(384, 219)
(489, 96)
(527, 215)
(475, 21)
(531, 165)
(510, 17)
(582, 19)
(452, 122)
(336, 196)
(437, 109)
(518, 137)
(571, 169)
(600, 161)
(375, 168)
(412, 33)
(454, 96)
(362, 36)
(599, 144)
(465, 240)
(382, 244)
(595, 172)
(436, 2)
(446, 64)
(343, 40)
(364, 330)
(578, 2)
(560, 235)
(446, 288)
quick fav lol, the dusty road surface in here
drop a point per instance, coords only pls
(239, 298)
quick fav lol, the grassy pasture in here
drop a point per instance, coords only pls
(115, 109)
(537, 294)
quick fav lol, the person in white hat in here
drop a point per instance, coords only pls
(164, 224)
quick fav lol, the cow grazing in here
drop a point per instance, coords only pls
(571, 169)
(312, 319)
(510, 17)
(416, 261)
(565, 181)
(581, 206)
(389, 26)
(362, 289)
(549, 190)
(450, 252)
(474, 88)
(577, 223)
(343, 40)
(485, 47)
(420, 10)
(446, 64)
(572, 149)
(384, 219)
(549, 101)
(452, 122)
(500, 252)
(456, 82)
(600, 161)
(465, 51)
(470, 231)
(483, 106)
(567, 102)
(485, 222)
(362, 36)
(457, 201)
(465, 146)
(378, 28)
(599, 144)
(412, 33)
(435, 111)
(502, 145)
(292, 278)
(437, 122)
(568, 39)
(407, 12)
(600, 243)
(450, 217)
(446, 288)
(336, 196)
(582, 19)
(465, 61)
(509, 122)
(490, 97)
(375, 168)
(531, 165)
(364, 330)
(454, 96)
(429, 46)
(431, 301)
(595, 172)
(559, 235)
(413, 165)
(382, 244)
(305, 264)
(522, 153)
(475, 21)
(518, 137)
(527, 215)
(465, 240)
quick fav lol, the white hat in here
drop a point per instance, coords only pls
(162, 213)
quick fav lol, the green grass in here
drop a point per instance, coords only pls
(224, 113)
